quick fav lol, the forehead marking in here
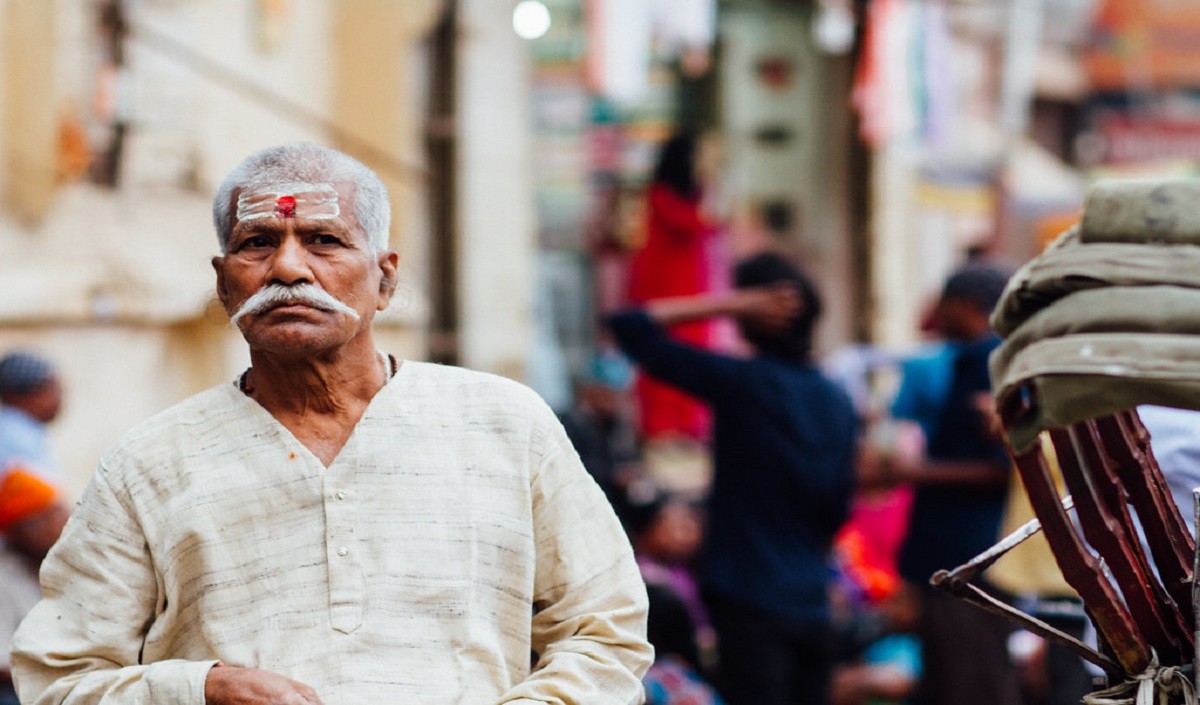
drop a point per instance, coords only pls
(289, 200)
(285, 207)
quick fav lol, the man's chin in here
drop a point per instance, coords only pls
(296, 337)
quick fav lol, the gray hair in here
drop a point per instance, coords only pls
(306, 162)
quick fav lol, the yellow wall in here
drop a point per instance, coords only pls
(30, 128)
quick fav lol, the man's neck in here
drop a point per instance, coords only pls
(328, 384)
(321, 398)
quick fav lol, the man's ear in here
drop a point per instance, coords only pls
(389, 262)
(218, 265)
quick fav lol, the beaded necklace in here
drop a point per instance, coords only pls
(389, 362)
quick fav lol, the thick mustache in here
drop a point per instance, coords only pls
(273, 295)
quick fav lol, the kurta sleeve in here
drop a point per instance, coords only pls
(82, 643)
(590, 606)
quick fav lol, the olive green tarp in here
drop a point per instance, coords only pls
(1109, 316)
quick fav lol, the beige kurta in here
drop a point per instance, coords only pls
(456, 532)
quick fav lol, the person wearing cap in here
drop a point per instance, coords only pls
(960, 487)
(30, 398)
(335, 525)
(32, 516)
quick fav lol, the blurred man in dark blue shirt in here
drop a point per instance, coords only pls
(784, 440)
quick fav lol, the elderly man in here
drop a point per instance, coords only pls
(335, 526)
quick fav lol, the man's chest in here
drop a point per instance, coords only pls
(387, 526)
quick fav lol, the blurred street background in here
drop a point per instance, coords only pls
(878, 142)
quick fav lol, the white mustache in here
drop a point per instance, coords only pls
(273, 295)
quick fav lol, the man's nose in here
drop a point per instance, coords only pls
(290, 264)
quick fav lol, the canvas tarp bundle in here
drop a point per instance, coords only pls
(1109, 316)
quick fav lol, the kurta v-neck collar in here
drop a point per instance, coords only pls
(259, 414)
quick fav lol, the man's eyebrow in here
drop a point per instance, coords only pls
(256, 226)
(272, 225)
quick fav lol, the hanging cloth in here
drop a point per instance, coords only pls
(620, 43)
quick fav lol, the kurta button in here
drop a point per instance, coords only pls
(341, 494)
(343, 551)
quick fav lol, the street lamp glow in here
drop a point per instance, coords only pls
(531, 19)
(833, 27)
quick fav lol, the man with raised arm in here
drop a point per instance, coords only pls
(334, 526)
(783, 450)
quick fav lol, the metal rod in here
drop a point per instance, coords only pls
(983, 561)
(975, 595)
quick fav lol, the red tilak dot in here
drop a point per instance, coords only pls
(285, 206)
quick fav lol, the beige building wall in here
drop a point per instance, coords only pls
(809, 171)
(30, 92)
(497, 244)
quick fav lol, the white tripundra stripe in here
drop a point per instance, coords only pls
(314, 201)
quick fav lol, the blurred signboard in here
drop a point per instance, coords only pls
(1141, 44)
(1134, 139)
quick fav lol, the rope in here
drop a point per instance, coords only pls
(1143, 688)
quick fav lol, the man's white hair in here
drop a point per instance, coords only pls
(309, 163)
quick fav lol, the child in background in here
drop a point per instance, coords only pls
(674, 678)
(666, 533)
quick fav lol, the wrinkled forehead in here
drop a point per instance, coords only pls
(295, 199)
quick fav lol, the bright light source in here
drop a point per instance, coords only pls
(833, 27)
(531, 19)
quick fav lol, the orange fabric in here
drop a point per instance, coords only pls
(869, 542)
(22, 495)
(875, 574)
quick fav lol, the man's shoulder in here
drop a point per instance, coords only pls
(191, 416)
(453, 384)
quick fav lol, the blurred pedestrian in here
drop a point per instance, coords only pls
(1175, 440)
(675, 677)
(881, 660)
(32, 516)
(333, 523)
(960, 490)
(1030, 577)
(783, 450)
(599, 428)
(674, 261)
(30, 398)
(666, 533)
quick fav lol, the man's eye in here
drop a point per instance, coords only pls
(326, 239)
(257, 241)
